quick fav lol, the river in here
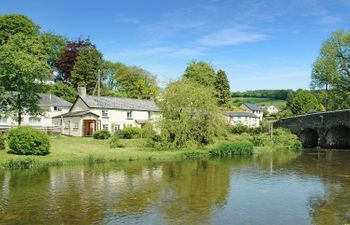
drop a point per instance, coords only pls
(309, 188)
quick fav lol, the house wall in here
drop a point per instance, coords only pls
(250, 122)
(79, 105)
(72, 126)
(258, 113)
(45, 118)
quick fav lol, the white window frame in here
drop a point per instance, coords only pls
(105, 126)
(129, 115)
(3, 120)
(34, 120)
(76, 125)
(104, 113)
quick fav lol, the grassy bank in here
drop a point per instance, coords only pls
(80, 150)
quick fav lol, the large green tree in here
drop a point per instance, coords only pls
(64, 91)
(332, 70)
(201, 72)
(190, 114)
(54, 45)
(23, 65)
(12, 24)
(86, 69)
(222, 87)
(304, 102)
(135, 82)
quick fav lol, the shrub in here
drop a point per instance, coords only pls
(285, 139)
(232, 148)
(102, 134)
(2, 142)
(114, 142)
(130, 132)
(20, 163)
(28, 141)
(147, 131)
(239, 129)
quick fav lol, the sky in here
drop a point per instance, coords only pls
(261, 44)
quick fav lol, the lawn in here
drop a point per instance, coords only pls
(80, 150)
(237, 101)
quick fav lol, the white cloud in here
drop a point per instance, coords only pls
(232, 36)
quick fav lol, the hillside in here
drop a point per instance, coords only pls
(237, 101)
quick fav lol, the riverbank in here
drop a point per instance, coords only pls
(82, 150)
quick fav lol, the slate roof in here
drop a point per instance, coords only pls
(105, 102)
(240, 114)
(53, 100)
(252, 106)
(75, 114)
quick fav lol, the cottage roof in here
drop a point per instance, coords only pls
(252, 106)
(240, 114)
(106, 102)
(75, 114)
(53, 100)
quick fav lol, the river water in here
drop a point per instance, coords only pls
(311, 188)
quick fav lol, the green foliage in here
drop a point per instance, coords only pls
(130, 132)
(201, 73)
(28, 141)
(54, 46)
(270, 94)
(284, 139)
(102, 134)
(64, 91)
(20, 163)
(222, 88)
(147, 131)
(23, 63)
(239, 129)
(134, 82)
(114, 141)
(237, 101)
(2, 141)
(304, 102)
(86, 69)
(332, 70)
(190, 114)
(284, 114)
(13, 24)
(230, 149)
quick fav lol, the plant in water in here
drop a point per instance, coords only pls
(232, 148)
(20, 163)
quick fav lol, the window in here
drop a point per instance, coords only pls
(56, 108)
(76, 125)
(129, 115)
(117, 127)
(104, 113)
(34, 120)
(105, 126)
(129, 125)
(55, 124)
(150, 115)
(3, 120)
(66, 125)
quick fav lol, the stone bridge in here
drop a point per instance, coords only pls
(327, 129)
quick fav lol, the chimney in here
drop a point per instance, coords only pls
(82, 91)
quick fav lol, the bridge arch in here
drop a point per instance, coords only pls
(309, 138)
(338, 137)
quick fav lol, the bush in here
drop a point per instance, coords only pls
(239, 129)
(2, 142)
(147, 131)
(114, 142)
(20, 163)
(28, 141)
(130, 132)
(231, 149)
(285, 139)
(102, 134)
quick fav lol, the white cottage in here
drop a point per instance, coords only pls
(91, 113)
(242, 118)
(252, 108)
(50, 106)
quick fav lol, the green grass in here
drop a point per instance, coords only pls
(237, 101)
(81, 150)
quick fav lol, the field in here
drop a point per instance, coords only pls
(237, 101)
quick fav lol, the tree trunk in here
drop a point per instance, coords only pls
(19, 107)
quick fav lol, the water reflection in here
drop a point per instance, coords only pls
(313, 188)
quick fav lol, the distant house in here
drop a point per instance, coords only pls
(271, 109)
(50, 105)
(252, 108)
(242, 118)
(92, 113)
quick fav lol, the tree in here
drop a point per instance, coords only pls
(304, 102)
(86, 69)
(190, 114)
(332, 70)
(135, 82)
(201, 72)
(23, 65)
(113, 70)
(54, 46)
(12, 24)
(66, 62)
(64, 91)
(222, 87)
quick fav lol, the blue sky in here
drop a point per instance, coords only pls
(261, 44)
